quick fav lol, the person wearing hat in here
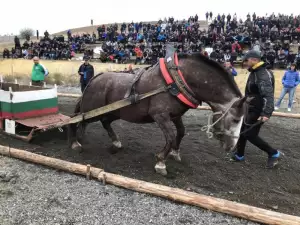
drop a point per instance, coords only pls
(290, 81)
(86, 72)
(260, 90)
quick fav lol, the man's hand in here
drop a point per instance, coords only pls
(263, 118)
(81, 73)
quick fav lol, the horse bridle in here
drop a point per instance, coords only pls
(210, 125)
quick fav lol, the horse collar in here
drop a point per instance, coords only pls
(177, 85)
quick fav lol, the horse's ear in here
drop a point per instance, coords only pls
(240, 103)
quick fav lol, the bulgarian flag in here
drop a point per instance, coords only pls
(28, 104)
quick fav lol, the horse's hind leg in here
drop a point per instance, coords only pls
(165, 124)
(73, 138)
(106, 122)
(175, 153)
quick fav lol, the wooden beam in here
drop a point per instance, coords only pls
(174, 194)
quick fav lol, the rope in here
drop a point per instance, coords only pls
(208, 128)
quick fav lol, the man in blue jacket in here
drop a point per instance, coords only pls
(290, 81)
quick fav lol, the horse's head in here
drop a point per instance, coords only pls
(228, 123)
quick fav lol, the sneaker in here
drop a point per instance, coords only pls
(273, 160)
(276, 108)
(236, 158)
(289, 109)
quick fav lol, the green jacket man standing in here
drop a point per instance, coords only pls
(38, 73)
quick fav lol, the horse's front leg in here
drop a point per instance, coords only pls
(175, 153)
(165, 124)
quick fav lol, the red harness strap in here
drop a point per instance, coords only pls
(180, 73)
(169, 80)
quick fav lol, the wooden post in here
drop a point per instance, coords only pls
(174, 194)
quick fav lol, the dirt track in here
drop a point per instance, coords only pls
(204, 168)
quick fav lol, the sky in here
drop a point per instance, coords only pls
(58, 15)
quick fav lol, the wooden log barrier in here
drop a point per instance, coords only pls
(175, 194)
(279, 114)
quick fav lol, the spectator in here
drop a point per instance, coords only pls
(46, 34)
(236, 47)
(86, 72)
(290, 82)
(39, 72)
(256, 46)
(17, 42)
(6, 53)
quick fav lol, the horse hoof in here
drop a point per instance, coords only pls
(76, 146)
(176, 155)
(161, 168)
(117, 144)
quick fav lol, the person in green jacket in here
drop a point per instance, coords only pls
(38, 73)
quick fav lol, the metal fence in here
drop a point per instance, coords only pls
(6, 38)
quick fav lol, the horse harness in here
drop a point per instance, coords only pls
(174, 78)
(176, 84)
(131, 92)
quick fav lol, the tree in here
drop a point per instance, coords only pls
(26, 33)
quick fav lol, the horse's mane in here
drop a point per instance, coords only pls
(216, 66)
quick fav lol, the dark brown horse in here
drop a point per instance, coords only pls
(209, 82)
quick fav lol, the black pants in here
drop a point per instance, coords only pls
(83, 86)
(252, 136)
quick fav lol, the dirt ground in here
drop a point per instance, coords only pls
(204, 168)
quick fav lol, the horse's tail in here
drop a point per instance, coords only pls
(72, 128)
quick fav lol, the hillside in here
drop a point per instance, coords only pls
(91, 29)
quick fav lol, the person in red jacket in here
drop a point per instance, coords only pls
(235, 47)
(139, 54)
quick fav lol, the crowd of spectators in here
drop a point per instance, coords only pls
(56, 48)
(226, 38)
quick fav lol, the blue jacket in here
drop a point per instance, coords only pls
(290, 79)
(120, 37)
(161, 37)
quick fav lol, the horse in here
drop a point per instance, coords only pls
(207, 80)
